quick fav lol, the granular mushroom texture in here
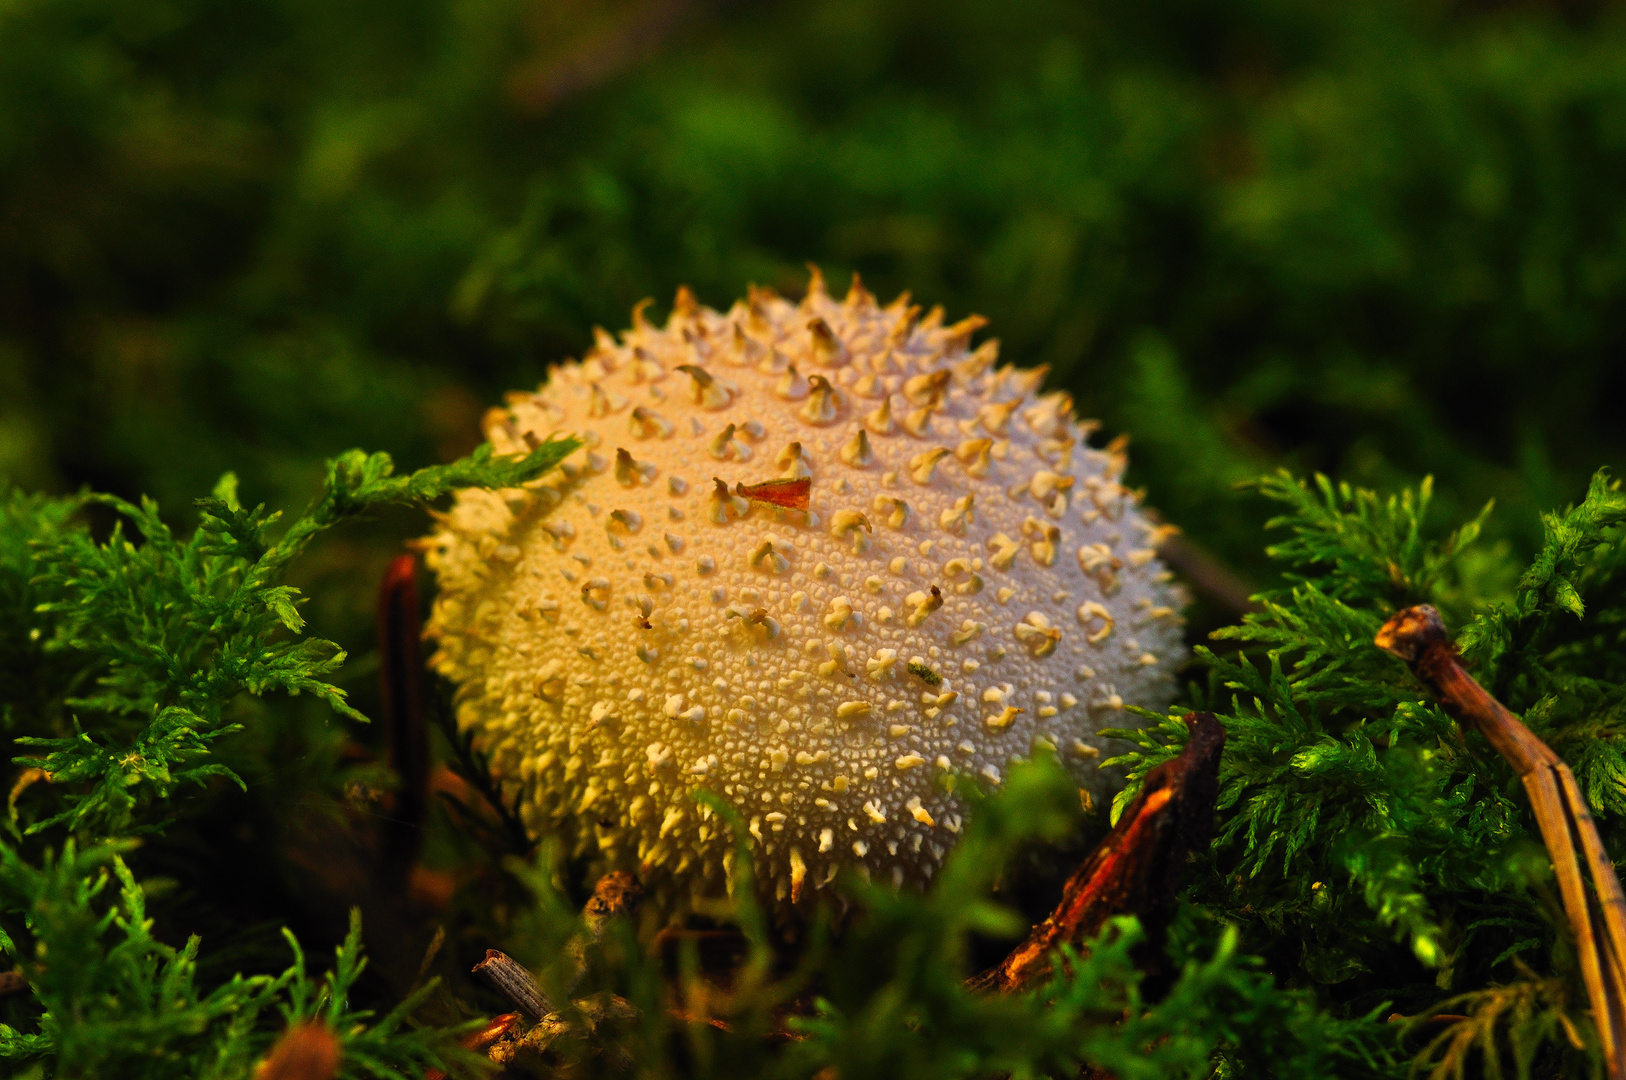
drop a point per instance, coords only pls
(809, 556)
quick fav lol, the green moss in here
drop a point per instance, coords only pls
(925, 674)
(1366, 856)
(1375, 241)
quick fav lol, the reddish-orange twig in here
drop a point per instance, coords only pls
(1137, 869)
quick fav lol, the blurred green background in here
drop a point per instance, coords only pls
(1379, 239)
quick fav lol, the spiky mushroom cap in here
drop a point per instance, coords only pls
(809, 557)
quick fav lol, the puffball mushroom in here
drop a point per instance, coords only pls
(809, 556)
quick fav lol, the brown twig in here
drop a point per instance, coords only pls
(405, 732)
(1431, 1018)
(508, 977)
(617, 893)
(1137, 869)
(1598, 918)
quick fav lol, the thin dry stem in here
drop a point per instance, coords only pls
(1598, 918)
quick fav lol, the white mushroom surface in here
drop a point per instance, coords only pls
(969, 581)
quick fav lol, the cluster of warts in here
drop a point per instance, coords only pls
(806, 556)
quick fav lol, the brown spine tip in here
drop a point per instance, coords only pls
(684, 305)
(645, 368)
(858, 296)
(924, 604)
(815, 284)
(821, 403)
(879, 419)
(722, 444)
(1029, 380)
(923, 464)
(708, 392)
(857, 452)
(927, 389)
(723, 502)
(828, 351)
(640, 323)
(974, 454)
(791, 385)
(645, 423)
(905, 315)
(919, 421)
(979, 361)
(628, 471)
(994, 417)
(757, 301)
(897, 511)
(958, 336)
(794, 461)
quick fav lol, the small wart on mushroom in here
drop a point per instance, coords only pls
(879, 490)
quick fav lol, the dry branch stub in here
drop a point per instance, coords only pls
(1597, 915)
(1137, 870)
(510, 978)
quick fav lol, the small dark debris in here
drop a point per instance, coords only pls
(925, 674)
